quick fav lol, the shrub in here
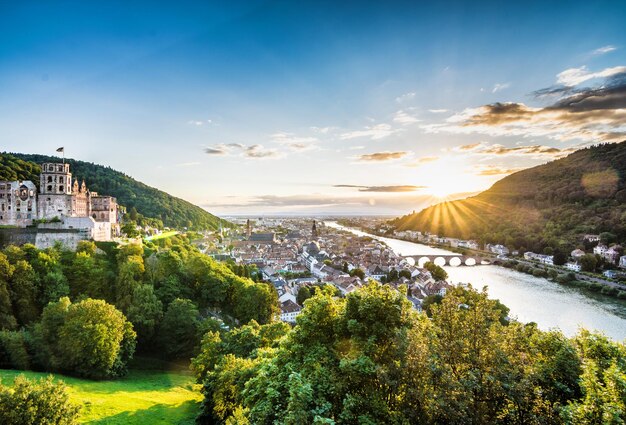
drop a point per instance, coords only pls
(31, 402)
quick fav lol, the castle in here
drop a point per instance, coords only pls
(60, 204)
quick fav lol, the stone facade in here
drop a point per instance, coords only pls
(18, 203)
(60, 198)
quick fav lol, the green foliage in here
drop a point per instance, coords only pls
(357, 272)
(180, 330)
(90, 338)
(42, 402)
(153, 204)
(551, 205)
(369, 358)
(437, 272)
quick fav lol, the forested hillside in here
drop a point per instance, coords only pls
(148, 201)
(551, 205)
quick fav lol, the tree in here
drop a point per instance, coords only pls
(145, 313)
(304, 293)
(90, 338)
(358, 272)
(588, 262)
(559, 258)
(179, 332)
(30, 402)
(438, 273)
(7, 320)
(23, 293)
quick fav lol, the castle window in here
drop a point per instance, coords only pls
(60, 179)
(60, 188)
(49, 189)
(50, 167)
(49, 179)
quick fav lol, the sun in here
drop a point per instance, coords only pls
(448, 177)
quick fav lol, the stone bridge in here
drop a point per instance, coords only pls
(450, 260)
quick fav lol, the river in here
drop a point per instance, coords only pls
(530, 299)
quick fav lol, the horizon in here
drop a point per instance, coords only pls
(271, 108)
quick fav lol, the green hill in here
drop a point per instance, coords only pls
(148, 201)
(551, 205)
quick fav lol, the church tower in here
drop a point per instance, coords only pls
(248, 229)
(314, 230)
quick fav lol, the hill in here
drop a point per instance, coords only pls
(148, 201)
(550, 205)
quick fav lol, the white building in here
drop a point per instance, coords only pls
(573, 266)
(289, 310)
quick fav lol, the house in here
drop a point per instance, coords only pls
(622, 262)
(468, 244)
(600, 249)
(573, 266)
(611, 274)
(289, 310)
(591, 238)
(542, 258)
(498, 249)
(577, 254)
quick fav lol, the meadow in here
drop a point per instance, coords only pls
(143, 396)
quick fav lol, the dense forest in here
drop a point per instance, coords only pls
(551, 205)
(148, 202)
(86, 312)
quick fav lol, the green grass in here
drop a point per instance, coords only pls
(143, 396)
(162, 235)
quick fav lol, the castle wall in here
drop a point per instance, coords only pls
(18, 203)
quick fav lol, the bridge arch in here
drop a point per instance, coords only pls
(470, 261)
(440, 261)
(455, 262)
(422, 261)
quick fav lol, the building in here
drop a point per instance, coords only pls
(622, 262)
(498, 249)
(577, 254)
(60, 197)
(542, 258)
(289, 310)
(573, 266)
(18, 203)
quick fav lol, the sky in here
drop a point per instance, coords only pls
(283, 107)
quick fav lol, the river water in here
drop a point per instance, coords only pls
(530, 299)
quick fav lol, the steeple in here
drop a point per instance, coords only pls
(314, 230)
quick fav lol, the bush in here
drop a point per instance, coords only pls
(13, 352)
(621, 295)
(595, 287)
(609, 290)
(32, 402)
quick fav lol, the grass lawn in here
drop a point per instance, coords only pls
(162, 235)
(143, 396)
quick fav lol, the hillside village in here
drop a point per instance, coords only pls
(300, 253)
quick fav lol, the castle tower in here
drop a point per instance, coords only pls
(55, 179)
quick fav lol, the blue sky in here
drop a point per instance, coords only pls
(269, 106)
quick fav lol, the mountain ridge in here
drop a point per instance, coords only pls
(549, 205)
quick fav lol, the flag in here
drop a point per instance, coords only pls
(61, 149)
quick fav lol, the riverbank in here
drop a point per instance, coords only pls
(530, 298)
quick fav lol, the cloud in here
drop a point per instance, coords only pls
(194, 122)
(603, 50)
(592, 115)
(492, 170)
(468, 147)
(390, 189)
(378, 131)
(322, 130)
(382, 156)
(294, 142)
(422, 160)
(501, 150)
(405, 97)
(238, 149)
(216, 150)
(437, 111)
(575, 76)
(500, 86)
(401, 117)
